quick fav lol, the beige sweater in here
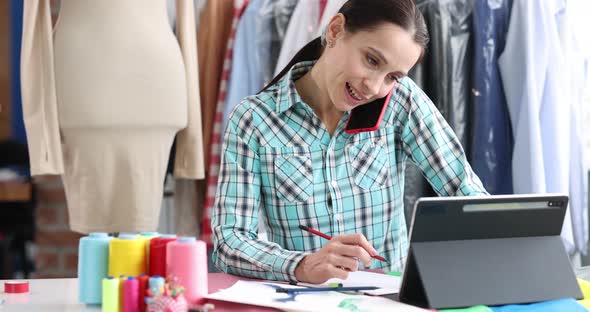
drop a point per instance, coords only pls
(74, 83)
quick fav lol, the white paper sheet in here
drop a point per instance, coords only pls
(388, 284)
(264, 294)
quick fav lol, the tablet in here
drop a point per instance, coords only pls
(489, 250)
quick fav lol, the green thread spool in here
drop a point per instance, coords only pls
(110, 294)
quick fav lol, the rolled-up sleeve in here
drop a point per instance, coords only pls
(433, 146)
(237, 249)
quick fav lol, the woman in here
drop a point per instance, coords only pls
(287, 155)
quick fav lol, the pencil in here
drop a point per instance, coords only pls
(328, 237)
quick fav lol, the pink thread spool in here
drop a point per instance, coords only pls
(186, 260)
(130, 295)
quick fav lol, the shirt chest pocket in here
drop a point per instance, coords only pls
(369, 165)
(293, 177)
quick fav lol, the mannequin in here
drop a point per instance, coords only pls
(103, 97)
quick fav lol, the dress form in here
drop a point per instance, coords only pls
(104, 95)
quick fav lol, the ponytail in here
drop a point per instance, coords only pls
(363, 15)
(310, 52)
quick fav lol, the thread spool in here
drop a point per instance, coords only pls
(122, 279)
(156, 285)
(16, 287)
(186, 261)
(93, 266)
(149, 234)
(147, 237)
(157, 264)
(130, 295)
(110, 294)
(141, 291)
(127, 256)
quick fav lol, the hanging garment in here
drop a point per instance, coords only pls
(302, 28)
(576, 54)
(491, 148)
(444, 75)
(17, 124)
(331, 9)
(282, 12)
(215, 151)
(199, 6)
(251, 55)
(114, 92)
(533, 78)
(212, 37)
(447, 65)
(181, 208)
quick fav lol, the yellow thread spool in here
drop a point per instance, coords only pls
(110, 294)
(146, 237)
(127, 256)
(585, 287)
(121, 278)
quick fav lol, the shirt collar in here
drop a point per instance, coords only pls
(288, 95)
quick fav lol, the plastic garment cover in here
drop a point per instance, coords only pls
(445, 76)
(281, 11)
(446, 68)
(303, 22)
(491, 148)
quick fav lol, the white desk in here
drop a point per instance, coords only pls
(61, 294)
(46, 295)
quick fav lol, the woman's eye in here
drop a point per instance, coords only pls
(393, 78)
(371, 60)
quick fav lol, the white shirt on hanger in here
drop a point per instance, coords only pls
(302, 29)
(332, 7)
(576, 54)
(533, 78)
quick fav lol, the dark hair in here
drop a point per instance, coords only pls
(364, 15)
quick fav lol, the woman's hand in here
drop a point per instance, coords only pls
(338, 257)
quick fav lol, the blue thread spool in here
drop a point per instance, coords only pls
(93, 266)
(156, 285)
(149, 234)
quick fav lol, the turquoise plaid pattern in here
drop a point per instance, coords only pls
(279, 159)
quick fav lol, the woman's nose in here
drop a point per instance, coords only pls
(371, 86)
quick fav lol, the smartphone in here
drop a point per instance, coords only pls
(367, 117)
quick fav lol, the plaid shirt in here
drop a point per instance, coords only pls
(278, 157)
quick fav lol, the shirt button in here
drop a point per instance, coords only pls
(339, 217)
(334, 184)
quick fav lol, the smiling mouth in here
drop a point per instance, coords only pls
(352, 93)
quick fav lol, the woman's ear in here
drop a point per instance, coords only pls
(336, 27)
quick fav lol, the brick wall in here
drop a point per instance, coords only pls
(56, 247)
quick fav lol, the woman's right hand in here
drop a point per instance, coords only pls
(337, 258)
